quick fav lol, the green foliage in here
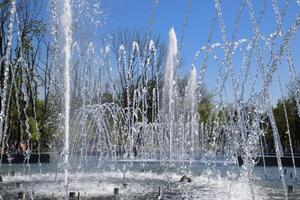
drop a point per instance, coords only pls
(205, 110)
(293, 119)
(34, 129)
(107, 97)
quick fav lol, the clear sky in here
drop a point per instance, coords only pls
(134, 14)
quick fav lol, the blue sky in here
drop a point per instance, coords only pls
(134, 14)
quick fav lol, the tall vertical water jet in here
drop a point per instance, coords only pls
(191, 88)
(190, 101)
(169, 83)
(66, 20)
(5, 89)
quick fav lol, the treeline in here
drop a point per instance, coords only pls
(25, 73)
(288, 121)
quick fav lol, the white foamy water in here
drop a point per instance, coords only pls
(91, 184)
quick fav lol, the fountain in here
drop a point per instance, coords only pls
(66, 19)
(169, 83)
(163, 141)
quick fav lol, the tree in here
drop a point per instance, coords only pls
(133, 59)
(293, 120)
(139, 63)
(28, 70)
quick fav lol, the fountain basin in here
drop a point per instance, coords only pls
(98, 182)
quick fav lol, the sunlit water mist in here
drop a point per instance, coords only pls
(66, 19)
(145, 142)
(169, 84)
(192, 116)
